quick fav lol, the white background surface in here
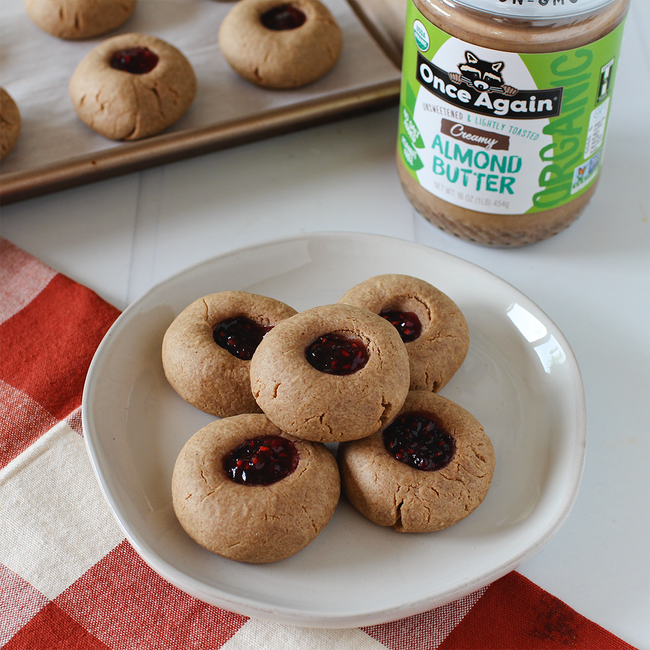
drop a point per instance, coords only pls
(119, 237)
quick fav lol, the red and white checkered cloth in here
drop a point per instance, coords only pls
(69, 579)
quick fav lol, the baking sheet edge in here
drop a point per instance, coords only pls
(172, 147)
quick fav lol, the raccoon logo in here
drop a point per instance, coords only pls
(482, 75)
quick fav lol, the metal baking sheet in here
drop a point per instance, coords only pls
(56, 150)
(386, 21)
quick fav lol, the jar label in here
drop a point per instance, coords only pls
(502, 132)
(536, 9)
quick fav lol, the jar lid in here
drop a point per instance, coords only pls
(536, 9)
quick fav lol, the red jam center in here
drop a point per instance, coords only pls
(283, 17)
(261, 461)
(405, 322)
(418, 441)
(240, 336)
(136, 60)
(337, 355)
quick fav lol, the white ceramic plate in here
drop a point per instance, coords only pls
(520, 379)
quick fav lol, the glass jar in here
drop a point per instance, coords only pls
(503, 112)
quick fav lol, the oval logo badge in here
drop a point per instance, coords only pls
(421, 36)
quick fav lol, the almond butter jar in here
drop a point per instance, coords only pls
(503, 112)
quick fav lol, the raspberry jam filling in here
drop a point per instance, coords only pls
(337, 355)
(136, 60)
(419, 442)
(240, 336)
(405, 322)
(261, 461)
(283, 17)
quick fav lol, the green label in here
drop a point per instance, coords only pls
(503, 132)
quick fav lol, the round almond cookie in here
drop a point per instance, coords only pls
(247, 491)
(10, 123)
(132, 86)
(428, 469)
(280, 43)
(331, 373)
(206, 351)
(430, 323)
(79, 19)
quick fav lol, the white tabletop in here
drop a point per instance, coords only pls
(120, 237)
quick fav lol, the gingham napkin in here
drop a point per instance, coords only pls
(70, 580)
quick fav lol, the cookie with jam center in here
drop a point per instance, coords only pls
(428, 469)
(245, 490)
(132, 86)
(206, 350)
(280, 43)
(432, 326)
(331, 373)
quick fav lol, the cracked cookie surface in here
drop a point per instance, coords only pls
(252, 523)
(440, 349)
(79, 19)
(204, 374)
(124, 106)
(280, 57)
(391, 493)
(314, 405)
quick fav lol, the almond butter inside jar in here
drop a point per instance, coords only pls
(503, 112)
